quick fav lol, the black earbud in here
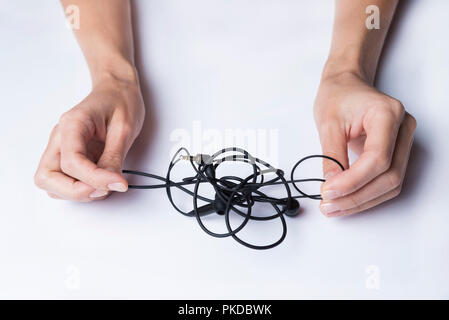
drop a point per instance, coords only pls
(218, 206)
(293, 209)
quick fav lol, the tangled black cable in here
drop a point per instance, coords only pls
(234, 193)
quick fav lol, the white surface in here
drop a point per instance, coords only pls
(231, 65)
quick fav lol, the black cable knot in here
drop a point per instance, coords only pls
(234, 195)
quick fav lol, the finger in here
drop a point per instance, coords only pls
(357, 144)
(381, 130)
(386, 182)
(54, 196)
(57, 184)
(367, 205)
(68, 188)
(118, 141)
(75, 134)
(333, 144)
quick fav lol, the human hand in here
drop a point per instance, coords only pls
(86, 149)
(351, 113)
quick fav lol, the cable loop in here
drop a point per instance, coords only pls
(234, 195)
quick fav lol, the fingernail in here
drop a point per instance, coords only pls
(117, 186)
(98, 193)
(329, 208)
(331, 194)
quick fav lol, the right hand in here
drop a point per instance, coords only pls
(349, 111)
(84, 157)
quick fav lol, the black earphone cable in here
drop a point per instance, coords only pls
(234, 193)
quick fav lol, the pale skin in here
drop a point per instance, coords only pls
(86, 149)
(84, 157)
(350, 112)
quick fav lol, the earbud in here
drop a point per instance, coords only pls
(218, 206)
(293, 209)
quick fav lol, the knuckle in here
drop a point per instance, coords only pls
(396, 191)
(397, 108)
(395, 179)
(411, 122)
(123, 123)
(39, 179)
(125, 130)
(80, 115)
(112, 157)
(349, 186)
(52, 195)
(382, 162)
(327, 126)
(79, 194)
(54, 131)
(55, 134)
(354, 203)
(73, 115)
(64, 117)
(68, 163)
(79, 197)
(381, 103)
(389, 107)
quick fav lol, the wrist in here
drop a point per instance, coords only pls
(351, 61)
(117, 70)
(338, 67)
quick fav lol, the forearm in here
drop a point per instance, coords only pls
(105, 37)
(355, 48)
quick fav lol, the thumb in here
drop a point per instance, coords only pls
(116, 147)
(333, 144)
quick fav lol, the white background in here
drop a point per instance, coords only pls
(234, 64)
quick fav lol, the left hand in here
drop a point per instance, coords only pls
(349, 112)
